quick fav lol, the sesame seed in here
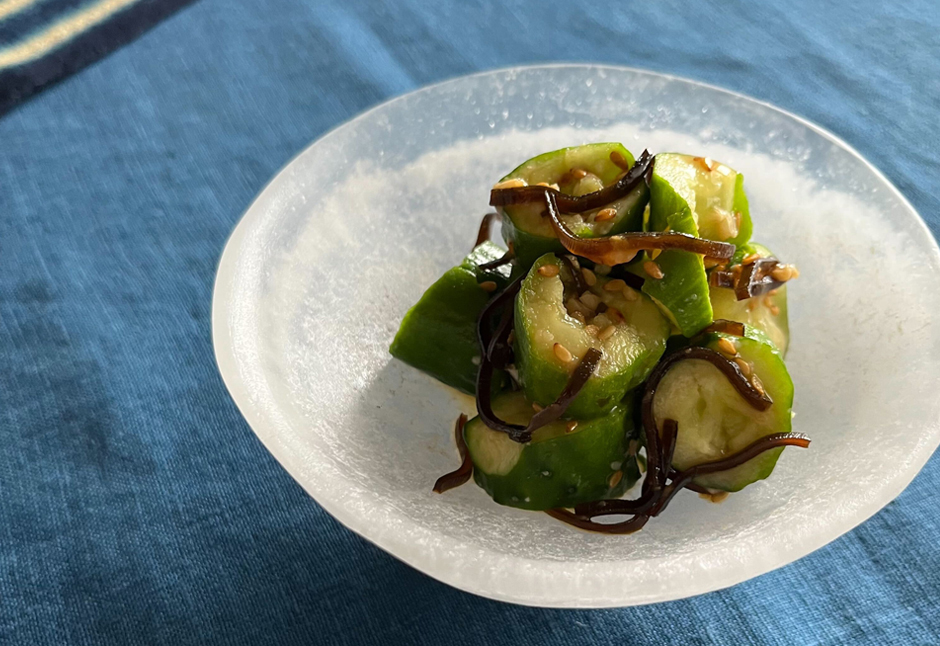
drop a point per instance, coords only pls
(758, 385)
(561, 352)
(589, 276)
(750, 258)
(578, 173)
(591, 329)
(744, 366)
(606, 333)
(774, 310)
(570, 426)
(737, 219)
(605, 214)
(614, 314)
(545, 184)
(783, 273)
(548, 270)
(536, 407)
(579, 316)
(714, 496)
(794, 272)
(768, 301)
(654, 254)
(726, 346)
(615, 285)
(488, 286)
(615, 479)
(629, 294)
(704, 163)
(653, 270)
(602, 270)
(619, 160)
(511, 183)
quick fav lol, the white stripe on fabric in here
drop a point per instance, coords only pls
(59, 33)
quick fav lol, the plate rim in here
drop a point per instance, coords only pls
(227, 363)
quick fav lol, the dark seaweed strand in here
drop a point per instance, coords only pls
(755, 278)
(483, 234)
(623, 247)
(484, 385)
(576, 382)
(629, 526)
(576, 276)
(462, 473)
(751, 451)
(484, 333)
(725, 326)
(571, 204)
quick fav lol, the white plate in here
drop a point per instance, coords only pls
(317, 275)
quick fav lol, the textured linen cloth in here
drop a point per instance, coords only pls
(137, 507)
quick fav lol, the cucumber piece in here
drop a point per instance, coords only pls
(532, 234)
(703, 198)
(767, 312)
(714, 419)
(549, 314)
(557, 468)
(714, 193)
(439, 334)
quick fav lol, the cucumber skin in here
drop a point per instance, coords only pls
(741, 206)
(578, 464)
(543, 379)
(438, 335)
(776, 379)
(683, 290)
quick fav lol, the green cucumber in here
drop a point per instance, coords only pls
(549, 313)
(532, 234)
(558, 467)
(687, 197)
(439, 334)
(715, 421)
(767, 313)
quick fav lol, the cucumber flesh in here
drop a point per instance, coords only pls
(558, 467)
(714, 419)
(549, 314)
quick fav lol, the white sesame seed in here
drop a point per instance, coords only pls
(727, 347)
(653, 270)
(488, 286)
(744, 366)
(615, 479)
(619, 160)
(548, 270)
(562, 352)
(605, 214)
(591, 329)
(607, 332)
(589, 276)
(750, 258)
(615, 285)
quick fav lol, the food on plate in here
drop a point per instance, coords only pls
(631, 333)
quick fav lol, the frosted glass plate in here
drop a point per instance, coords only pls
(317, 275)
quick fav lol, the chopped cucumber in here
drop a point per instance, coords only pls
(715, 421)
(554, 328)
(558, 467)
(577, 171)
(767, 312)
(439, 334)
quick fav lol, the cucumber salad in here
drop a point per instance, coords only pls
(630, 331)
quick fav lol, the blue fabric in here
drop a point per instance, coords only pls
(137, 507)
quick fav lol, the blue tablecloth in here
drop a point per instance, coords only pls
(137, 507)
